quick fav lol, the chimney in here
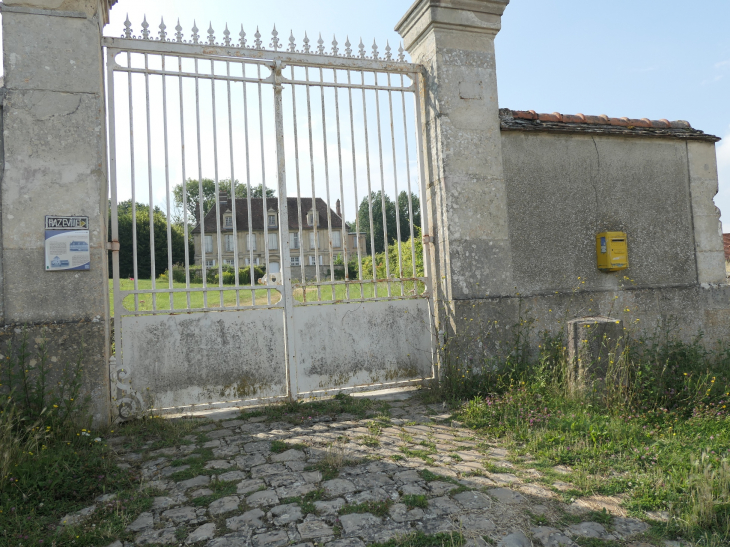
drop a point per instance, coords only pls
(223, 198)
(337, 206)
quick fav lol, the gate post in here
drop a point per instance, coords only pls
(55, 164)
(466, 197)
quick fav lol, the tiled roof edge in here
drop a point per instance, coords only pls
(529, 120)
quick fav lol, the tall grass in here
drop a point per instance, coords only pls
(656, 432)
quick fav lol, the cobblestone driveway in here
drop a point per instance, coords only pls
(343, 482)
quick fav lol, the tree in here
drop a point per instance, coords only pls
(193, 193)
(144, 259)
(390, 218)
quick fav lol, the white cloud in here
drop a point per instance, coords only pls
(722, 200)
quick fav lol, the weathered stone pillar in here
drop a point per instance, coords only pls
(466, 197)
(55, 164)
(595, 348)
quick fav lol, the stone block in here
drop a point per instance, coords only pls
(595, 348)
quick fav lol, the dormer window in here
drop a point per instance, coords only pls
(229, 221)
(311, 219)
(272, 220)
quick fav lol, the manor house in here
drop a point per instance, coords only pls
(311, 249)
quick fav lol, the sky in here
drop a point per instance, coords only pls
(654, 59)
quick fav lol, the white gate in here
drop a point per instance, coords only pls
(243, 150)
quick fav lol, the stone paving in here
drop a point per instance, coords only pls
(343, 482)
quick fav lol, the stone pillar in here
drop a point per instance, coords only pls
(709, 249)
(55, 164)
(466, 197)
(595, 347)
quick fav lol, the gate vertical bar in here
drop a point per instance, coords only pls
(113, 362)
(284, 254)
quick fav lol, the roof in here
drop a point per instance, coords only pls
(726, 241)
(257, 214)
(529, 120)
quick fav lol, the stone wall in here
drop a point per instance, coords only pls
(514, 206)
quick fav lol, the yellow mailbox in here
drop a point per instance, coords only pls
(611, 251)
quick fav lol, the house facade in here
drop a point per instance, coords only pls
(310, 250)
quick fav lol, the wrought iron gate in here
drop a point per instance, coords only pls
(343, 305)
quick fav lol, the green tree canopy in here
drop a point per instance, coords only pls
(193, 193)
(390, 216)
(144, 259)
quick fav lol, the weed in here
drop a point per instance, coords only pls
(220, 489)
(369, 440)
(425, 455)
(428, 476)
(377, 508)
(415, 500)
(397, 458)
(596, 542)
(419, 539)
(277, 447)
(540, 520)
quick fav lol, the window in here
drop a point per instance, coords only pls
(229, 243)
(295, 261)
(312, 260)
(229, 261)
(294, 240)
(336, 239)
(310, 217)
(208, 244)
(311, 240)
(320, 260)
(273, 243)
(272, 220)
(209, 263)
(229, 220)
(251, 242)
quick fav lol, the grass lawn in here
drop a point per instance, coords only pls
(180, 302)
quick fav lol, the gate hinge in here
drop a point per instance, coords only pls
(427, 238)
(112, 246)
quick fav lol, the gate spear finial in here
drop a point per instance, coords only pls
(178, 33)
(292, 45)
(211, 36)
(348, 49)
(257, 41)
(145, 29)
(127, 28)
(274, 39)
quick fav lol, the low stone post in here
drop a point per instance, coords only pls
(595, 348)
(55, 164)
(466, 199)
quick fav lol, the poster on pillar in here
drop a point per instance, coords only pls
(67, 244)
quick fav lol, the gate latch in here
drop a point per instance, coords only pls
(112, 246)
(427, 238)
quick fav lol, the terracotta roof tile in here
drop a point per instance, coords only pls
(529, 120)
